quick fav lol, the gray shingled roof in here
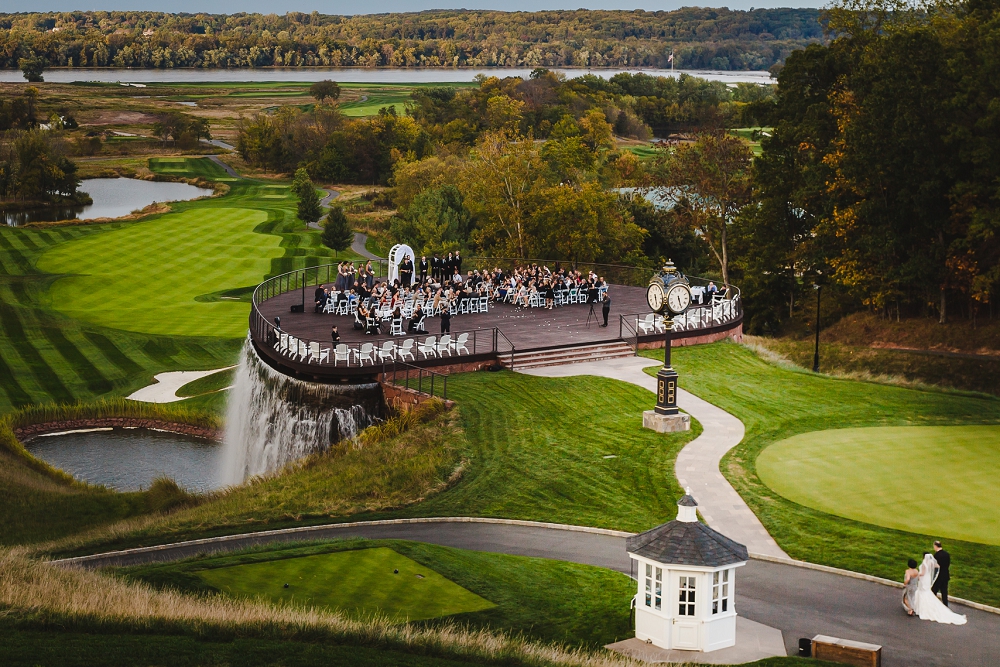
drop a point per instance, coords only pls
(687, 543)
(687, 501)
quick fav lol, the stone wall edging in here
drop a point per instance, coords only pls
(31, 430)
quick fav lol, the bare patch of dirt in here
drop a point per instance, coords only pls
(118, 117)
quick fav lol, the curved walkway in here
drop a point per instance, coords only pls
(360, 246)
(697, 464)
(798, 601)
(229, 170)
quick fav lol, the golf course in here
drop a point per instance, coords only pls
(936, 480)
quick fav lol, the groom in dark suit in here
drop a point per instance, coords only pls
(944, 561)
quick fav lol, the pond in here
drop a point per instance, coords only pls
(351, 74)
(113, 198)
(130, 459)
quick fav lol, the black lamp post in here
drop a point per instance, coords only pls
(819, 292)
(666, 378)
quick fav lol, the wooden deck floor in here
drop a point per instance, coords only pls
(527, 328)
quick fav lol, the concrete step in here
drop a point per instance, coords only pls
(568, 355)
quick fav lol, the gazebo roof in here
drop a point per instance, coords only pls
(687, 543)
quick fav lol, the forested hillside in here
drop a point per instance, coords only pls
(700, 38)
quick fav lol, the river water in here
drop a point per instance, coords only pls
(349, 75)
(113, 198)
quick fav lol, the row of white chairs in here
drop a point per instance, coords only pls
(301, 350)
(432, 346)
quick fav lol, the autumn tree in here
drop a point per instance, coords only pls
(325, 90)
(708, 181)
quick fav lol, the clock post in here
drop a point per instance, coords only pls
(668, 294)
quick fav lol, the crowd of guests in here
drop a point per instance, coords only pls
(436, 286)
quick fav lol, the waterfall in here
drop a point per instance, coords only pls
(273, 419)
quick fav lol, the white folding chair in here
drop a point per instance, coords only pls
(444, 345)
(419, 326)
(387, 351)
(405, 349)
(397, 327)
(473, 306)
(317, 353)
(459, 344)
(366, 353)
(428, 347)
(342, 353)
(484, 304)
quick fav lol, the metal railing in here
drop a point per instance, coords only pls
(500, 339)
(415, 377)
(628, 331)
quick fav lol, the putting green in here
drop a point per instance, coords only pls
(934, 480)
(145, 276)
(359, 583)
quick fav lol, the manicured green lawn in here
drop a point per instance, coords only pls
(936, 480)
(361, 583)
(537, 450)
(47, 355)
(545, 600)
(145, 277)
(775, 403)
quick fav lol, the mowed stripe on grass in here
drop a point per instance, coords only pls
(146, 276)
(361, 583)
(936, 480)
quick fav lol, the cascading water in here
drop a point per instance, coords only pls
(273, 419)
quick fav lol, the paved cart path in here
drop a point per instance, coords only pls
(697, 464)
(798, 601)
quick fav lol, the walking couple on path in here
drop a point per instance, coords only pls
(923, 584)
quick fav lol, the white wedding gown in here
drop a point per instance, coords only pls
(928, 606)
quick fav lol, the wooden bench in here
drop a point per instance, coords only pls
(846, 651)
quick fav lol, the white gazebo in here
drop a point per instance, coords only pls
(396, 255)
(687, 579)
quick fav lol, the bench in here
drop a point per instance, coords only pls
(846, 651)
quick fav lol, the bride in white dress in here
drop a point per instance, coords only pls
(928, 606)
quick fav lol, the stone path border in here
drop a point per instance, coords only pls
(164, 390)
(697, 465)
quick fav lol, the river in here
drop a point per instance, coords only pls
(349, 75)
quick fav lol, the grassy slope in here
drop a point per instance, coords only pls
(876, 474)
(47, 357)
(360, 582)
(537, 444)
(775, 403)
(543, 599)
(209, 383)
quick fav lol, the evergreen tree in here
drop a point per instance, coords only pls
(337, 232)
(309, 208)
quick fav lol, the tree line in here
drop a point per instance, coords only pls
(699, 38)
(880, 177)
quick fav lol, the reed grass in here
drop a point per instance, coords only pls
(74, 599)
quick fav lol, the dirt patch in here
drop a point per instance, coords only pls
(116, 117)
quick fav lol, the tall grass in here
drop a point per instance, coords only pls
(72, 598)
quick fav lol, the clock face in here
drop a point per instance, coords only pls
(654, 297)
(678, 299)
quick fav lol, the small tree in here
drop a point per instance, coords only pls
(309, 208)
(323, 90)
(337, 232)
(32, 68)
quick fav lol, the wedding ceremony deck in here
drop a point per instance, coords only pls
(476, 339)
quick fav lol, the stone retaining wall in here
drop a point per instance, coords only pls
(31, 430)
(736, 333)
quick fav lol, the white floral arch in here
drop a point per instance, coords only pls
(396, 255)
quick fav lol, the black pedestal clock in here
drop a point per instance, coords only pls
(668, 294)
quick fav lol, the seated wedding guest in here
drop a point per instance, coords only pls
(320, 297)
(418, 314)
(457, 278)
(711, 290)
(335, 335)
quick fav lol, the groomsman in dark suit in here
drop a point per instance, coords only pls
(449, 266)
(436, 267)
(458, 263)
(423, 268)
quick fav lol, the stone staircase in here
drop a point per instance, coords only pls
(568, 355)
